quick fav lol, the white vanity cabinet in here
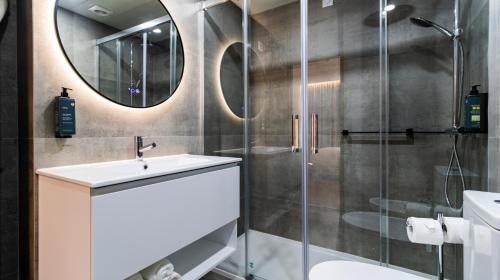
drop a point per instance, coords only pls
(90, 230)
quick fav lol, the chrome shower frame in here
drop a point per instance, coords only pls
(457, 91)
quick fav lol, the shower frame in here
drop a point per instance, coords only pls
(143, 27)
(305, 134)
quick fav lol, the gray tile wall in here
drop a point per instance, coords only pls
(223, 128)
(78, 35)
(494, 102)
(105, 130)
(9, 184)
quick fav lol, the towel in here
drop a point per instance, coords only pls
(158, 271)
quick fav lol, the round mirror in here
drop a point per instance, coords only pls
(127, 50)
(231, 78)
(231, 81)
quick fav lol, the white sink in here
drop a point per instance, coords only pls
(97, 175)
(105, 221)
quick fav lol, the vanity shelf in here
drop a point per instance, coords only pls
(202, 256)
(92, 230)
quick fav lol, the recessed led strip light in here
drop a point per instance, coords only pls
(327, 83)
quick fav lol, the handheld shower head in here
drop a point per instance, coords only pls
(422, 22)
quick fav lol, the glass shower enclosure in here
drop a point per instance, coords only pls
(345, 133)
(130, 64)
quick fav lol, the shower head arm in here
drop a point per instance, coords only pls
(445, 31)
(422, 22)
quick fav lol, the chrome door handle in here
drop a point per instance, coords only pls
(295, 133)
(314, 134)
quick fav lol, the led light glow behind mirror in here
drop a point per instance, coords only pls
(129, 51)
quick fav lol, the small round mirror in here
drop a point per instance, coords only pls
(127, 50)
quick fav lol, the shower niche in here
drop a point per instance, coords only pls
(128, 51)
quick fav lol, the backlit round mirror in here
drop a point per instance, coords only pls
(231, 78)
(231, 81)
(127, 50)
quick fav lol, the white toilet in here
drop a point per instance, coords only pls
(348, 270)
(481, 247)
(482, 236)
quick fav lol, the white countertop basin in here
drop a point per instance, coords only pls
(97, 175)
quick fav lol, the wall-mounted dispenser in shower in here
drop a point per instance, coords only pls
(476, 111)
(65, 115)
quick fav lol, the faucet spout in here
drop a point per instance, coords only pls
(140, 148)
(147, 147)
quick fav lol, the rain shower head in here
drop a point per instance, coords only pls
(422, 22)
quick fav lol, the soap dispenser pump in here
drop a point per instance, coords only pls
(476, 111)
(65, 115)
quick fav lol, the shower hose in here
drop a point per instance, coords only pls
(454, 154)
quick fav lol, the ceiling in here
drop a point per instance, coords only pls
(259, 6)
(125, 13)
(128, 13)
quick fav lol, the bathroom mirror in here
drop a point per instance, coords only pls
(231, 78)
(231, 81)
(129, 51)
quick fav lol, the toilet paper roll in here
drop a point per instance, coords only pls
(454, 233)
(424, 231)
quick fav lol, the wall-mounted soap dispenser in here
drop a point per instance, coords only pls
(476, 111)
(65, 115)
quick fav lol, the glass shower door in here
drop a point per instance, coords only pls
(275, 148)
(133, 68)
(346, 96)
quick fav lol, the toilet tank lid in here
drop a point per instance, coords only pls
(486, 205)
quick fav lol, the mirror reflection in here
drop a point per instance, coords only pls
(127, 50)
(231, 73)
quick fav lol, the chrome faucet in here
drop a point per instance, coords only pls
(140, 148)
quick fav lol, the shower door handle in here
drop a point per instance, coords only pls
(295, 133)
(314, 134)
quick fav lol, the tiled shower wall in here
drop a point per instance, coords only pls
(9, 183)
(223, 130)
(494, 101)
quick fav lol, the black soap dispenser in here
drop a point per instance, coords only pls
(476, 111)
(65, 115)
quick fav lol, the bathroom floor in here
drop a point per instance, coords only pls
(214, 276)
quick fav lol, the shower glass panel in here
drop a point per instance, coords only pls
(346, 98)
(223, 88)
(420, 173)
(107, 65)
(130, 75)
(133, 68)
(275, 154)
(379, 107)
